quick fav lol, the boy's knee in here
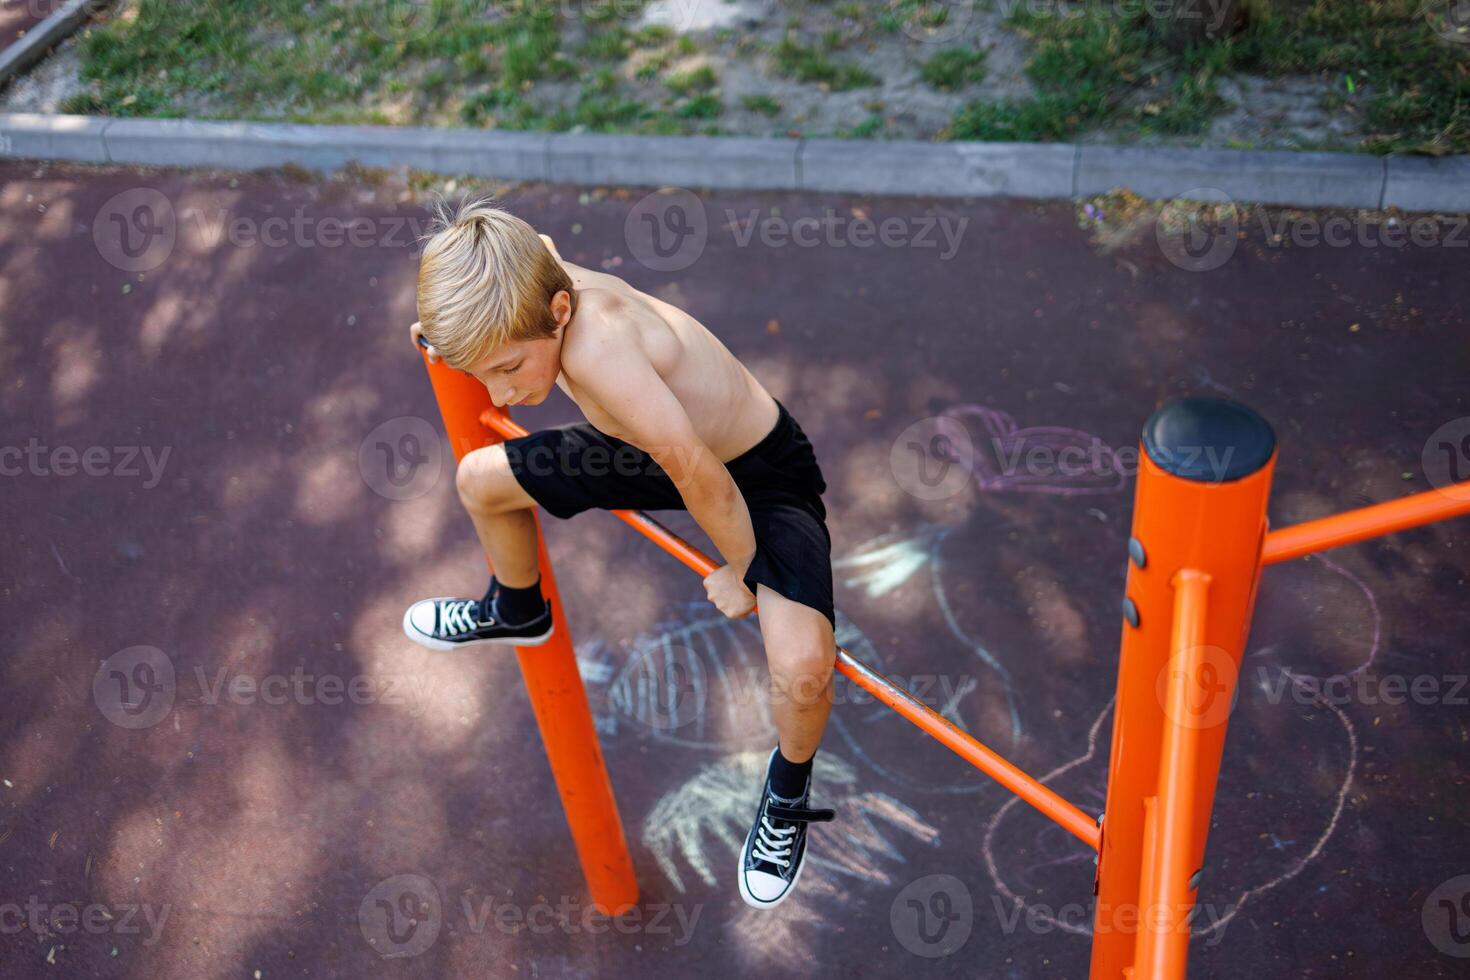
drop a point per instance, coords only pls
(802, 674)
(482, 478)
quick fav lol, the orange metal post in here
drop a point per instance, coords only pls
(1170, 821)
(1367, 522)
(558, 698)
(1203, 480)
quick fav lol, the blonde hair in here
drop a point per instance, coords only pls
(486, 279)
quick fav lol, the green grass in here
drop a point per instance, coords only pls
(806, 64)
(953, 67)
(1191, 101)
(697, 96)
(652, 36)
(318, 60)
(866, 129)
(1082, 67)
(1091, 65)
(1412, 88)
(922, 13)
(705, 105)
(700, 79)
(529, 49)
(766, 105)
(612, 44)
(1418, 98)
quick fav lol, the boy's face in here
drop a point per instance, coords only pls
(524, 373)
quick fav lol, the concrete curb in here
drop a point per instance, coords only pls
(1344, 180)
(897, 168)
(30, 49)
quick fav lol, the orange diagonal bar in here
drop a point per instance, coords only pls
(952, 737)
(1366, 522)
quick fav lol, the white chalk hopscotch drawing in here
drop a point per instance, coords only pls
(697, 830)
(691, 684)
(697, 683)
(885, 563)
(701, 682)
(716, 805)
(1065, 850)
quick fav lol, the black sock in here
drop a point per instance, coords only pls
(789, 779)
(515, 605)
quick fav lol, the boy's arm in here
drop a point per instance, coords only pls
(617, 373)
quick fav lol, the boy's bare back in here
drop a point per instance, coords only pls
(619, 333)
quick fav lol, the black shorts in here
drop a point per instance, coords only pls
(571, 468)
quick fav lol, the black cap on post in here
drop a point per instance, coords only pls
(1208, 440)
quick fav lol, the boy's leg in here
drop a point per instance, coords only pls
(513, 610)
(564, 470)
(801, 653)
(502, 512)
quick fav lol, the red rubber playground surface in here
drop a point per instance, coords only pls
(225, 478)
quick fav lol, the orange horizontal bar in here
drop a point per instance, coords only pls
(503, 424)
(1366, 522)
(962, 743)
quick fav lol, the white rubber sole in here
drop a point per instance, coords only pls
(745, 894)
(434, 643)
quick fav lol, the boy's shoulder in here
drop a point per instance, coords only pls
(605, 321)
(600, 301)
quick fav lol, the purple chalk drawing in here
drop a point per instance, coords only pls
(1040, 459)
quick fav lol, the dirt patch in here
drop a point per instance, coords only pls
(1293, 113)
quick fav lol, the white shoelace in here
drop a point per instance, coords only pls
(457, 617)
(773, 845)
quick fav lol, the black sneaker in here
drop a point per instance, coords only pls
(453, 624)
(775, 848)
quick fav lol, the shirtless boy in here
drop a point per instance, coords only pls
(674, 421)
